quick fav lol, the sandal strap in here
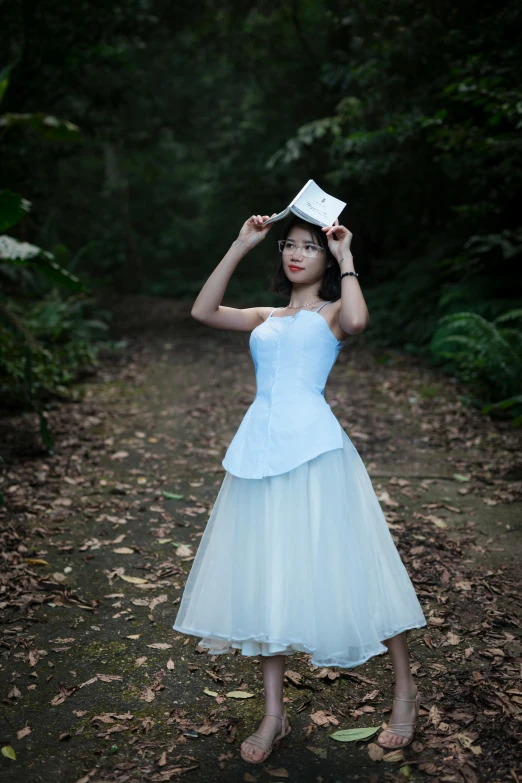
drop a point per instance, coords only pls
(255, 739)
(403, 729)
(393, 726)
(261, 742)
(395, 729)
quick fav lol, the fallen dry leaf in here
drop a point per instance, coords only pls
(375, 752)
(34, 657)
(385, 498)
(435, 716)
(323, 718)
(294, 677)
(183, 551)
(452, 638)
(147, 694)
(135, 580)
(23, 732)
(109, 677)
(160, 599)
(394, 755)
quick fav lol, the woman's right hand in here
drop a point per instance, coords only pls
(254, 231)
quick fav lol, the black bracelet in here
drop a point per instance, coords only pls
(349, 273)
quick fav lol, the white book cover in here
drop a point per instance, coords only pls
(314, 205)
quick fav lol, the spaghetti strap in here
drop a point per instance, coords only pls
(269, 314)
(324, 303)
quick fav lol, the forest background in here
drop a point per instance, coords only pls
(136, 137)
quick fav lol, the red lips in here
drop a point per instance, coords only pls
(294, 267)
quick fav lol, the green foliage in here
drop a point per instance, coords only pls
(510, 404)
(4, 81)
(409, 112)
(12, 209)
(45, 343)
(46, 346)
(425, 142)
(487, 354)
(169, 167)
(46, 340)
(15, 253)
(49, 127)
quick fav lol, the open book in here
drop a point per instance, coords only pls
(314, 205)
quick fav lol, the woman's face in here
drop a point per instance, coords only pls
(298, 267)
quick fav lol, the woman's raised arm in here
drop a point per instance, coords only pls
(208, 308)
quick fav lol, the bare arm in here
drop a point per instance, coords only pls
(208, 308)
(353, 315)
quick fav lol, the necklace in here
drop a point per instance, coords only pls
(298, 307)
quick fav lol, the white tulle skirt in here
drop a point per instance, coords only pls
(302, 561)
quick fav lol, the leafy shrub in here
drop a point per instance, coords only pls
(52, 346)
(46, 340)
(487, 354)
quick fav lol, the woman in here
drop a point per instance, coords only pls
(296, 554)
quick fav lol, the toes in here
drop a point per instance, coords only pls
(252, 752)
(390, 738)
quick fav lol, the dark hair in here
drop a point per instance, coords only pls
(330, 287)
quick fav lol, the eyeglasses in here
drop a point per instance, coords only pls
(288, 248)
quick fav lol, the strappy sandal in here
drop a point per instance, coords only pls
(402, 729)
(262, 743)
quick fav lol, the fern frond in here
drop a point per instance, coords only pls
(503, 404)
(511, 315)
(480, 352)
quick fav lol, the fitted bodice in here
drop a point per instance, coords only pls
(289, 421)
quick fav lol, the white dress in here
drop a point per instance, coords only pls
(296, 554)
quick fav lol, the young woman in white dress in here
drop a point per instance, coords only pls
(368, 590)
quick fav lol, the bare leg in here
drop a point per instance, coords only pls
(273, 668)
(405, 688)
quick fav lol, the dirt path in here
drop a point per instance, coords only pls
(98, 540)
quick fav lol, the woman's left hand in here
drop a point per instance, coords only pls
(339, 239)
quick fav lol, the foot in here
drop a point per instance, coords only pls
(269, 728)
(402, 712)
